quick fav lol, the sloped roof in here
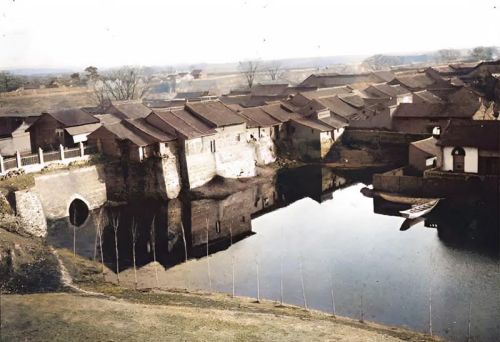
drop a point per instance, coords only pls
(215, 112)
(482, 134)
(144, 128)
(326, 92)
(353, 100)
(415, 81)
(122, 132)
(130, 109)
(257, 117)
(185, 123)
(339, 107)
(82, 129)
(272, 89)
(435, 110)
(278, 112)
(384, 75)
(314, 124)
(427, 96)
(390, 90)
(428, 146)
(72, 117)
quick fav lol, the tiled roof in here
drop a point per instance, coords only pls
(435, 110)
(185, 123)
(125, 133)
(215, 112)
(278, 112)
(73, 117)
(257, 117)
(129, 109)
(482, 134)
(143, 128)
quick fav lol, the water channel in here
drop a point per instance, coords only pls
(309, 237)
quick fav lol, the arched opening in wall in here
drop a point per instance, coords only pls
(458, 154)
(78, 212)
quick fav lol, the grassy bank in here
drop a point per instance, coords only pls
(106, 312)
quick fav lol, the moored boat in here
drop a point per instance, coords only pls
(420, 209)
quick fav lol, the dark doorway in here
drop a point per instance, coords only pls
(458, 154)
(78, 212)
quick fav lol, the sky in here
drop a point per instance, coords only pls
(107, 33)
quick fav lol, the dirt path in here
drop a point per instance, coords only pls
(185, 317)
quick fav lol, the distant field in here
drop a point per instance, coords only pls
(37, 101)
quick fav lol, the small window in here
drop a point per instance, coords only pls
(212, 146)
(217, 227)
(238, 137)
(243, 219)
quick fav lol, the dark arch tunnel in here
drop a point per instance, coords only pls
(78, 212)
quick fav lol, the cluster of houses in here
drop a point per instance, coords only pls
(205, 136)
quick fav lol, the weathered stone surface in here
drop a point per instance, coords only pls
(170, 181)
(57, 190)
(29, 209)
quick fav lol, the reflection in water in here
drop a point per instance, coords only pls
(345, 243)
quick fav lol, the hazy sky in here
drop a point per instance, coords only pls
(77, 33)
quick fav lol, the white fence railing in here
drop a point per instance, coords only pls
(35, 162)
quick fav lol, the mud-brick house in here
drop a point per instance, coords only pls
(424, 154)
(262, 131)
(212, 141)
(13, 135)
(131, 139)
(422, 118)
(471, 147)
(314, 131)
(396, 94)
(66, 127)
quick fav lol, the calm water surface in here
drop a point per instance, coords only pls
(313, 234)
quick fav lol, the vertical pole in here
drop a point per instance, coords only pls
(302, 282)
(2, 167)
(61, 152)
(258, 282)
(208, 263)
(40, 156)
(18, 160)
(82, 151)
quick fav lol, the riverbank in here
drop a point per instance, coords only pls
(176, 316)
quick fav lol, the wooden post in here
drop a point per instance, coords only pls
(18, 160)
(82, 150)
(40, 155)
(2, 167)
(61, 152)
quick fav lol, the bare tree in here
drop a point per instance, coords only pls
(208, 262)
(99, 226)
(274, 69)
(126, 83)
(153, 244)
(249, 70)
(115, 222)
(133, 230)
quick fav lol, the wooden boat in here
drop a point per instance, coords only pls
(420, 209)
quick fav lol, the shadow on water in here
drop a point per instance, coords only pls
(345, 244)
(228, 220)
(465, 225)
